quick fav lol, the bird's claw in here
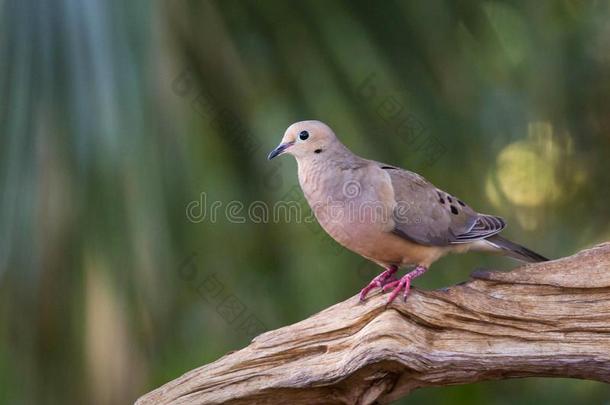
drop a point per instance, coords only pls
(403, 284)
(379, 282)
(386, 281)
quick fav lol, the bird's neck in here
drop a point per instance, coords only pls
(334, 155)
(325, 170)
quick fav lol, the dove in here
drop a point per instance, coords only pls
(388, 215)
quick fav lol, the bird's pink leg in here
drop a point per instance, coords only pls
(403, 283)
(379, 281)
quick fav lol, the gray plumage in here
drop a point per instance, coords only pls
(402, 219)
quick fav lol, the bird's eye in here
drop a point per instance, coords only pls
(303, 135)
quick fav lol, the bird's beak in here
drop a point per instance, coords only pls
(279, 150)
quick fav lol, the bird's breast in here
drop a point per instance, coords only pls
(346, 204)
(355, 207)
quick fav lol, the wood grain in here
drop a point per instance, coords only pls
(544, 319)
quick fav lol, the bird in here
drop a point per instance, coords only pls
(388, 215)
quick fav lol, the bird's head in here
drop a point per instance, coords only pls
(305, 139)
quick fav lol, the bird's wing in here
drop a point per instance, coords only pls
(429, 216)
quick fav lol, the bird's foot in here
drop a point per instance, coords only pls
(380, 281)
(403, 284)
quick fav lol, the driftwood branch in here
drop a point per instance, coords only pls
(546, 319)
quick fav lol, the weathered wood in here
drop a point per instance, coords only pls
(545, 319)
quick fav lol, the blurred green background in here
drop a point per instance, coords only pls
(116, 116)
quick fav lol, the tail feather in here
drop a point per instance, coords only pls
(515, 250)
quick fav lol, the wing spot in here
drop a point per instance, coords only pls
(449, 199)
(461, 203)
(454, 210)
(441, 200)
